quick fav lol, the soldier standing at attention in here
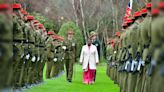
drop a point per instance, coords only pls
(146, 37)
(50, 53)
(70, 54)
(18, 39)
(6, 47)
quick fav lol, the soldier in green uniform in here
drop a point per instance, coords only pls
(132, 77)
(117, 48)
(37, 35)
(50, 53)
(6, 48)
(18, 40)
(120, 57)
(157, 42)
(126, 56)
(54, 70)
(30, 54)
(22, 73)
(70, 54)
(109, 56)
(61, 53)
(146, 37)
(112, 58)
(58, 57)
(42, 52)
(139, 53)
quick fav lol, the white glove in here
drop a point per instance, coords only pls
(22, 55)
(115, 52)
(133, 64)
(33, 59)
(73, 44)
(55, 59)
(64, 47)
(63, 58)
(126, 66)
(27, 56)
(38, 58)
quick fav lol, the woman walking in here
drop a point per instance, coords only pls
(89, 59)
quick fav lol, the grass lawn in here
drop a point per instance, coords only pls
(102, 84)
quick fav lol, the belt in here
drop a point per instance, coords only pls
(18, 41)
(41, 46)
(68, 50)
(129, 46)
(22, 41)
(146, 46)
(52, 51)
(30, 42)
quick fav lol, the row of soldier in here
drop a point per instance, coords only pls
(136, 54)
(25, 48)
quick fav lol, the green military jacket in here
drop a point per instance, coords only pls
(70, 52)
(5, 28)
(50, 48)
(17, 29)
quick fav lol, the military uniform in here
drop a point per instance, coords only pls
(43, 56)
(6, 48)
(157, 42)
(18, 49)
(70, 56)
(146, 36)
(30, 54)
(50, 52)
(58, 64)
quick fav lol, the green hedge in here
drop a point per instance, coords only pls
(48, 24)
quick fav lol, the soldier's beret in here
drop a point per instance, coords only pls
(155, 11)
(118, 34)
(16, 6)
(23, 12)
(124, 24)
(112, 40)
(50, 33)
(44, 29)
(41, 26)
(35, 22)
(125, 18)
(60, 38)
(129, 21)
(144, 11)
(149, 5)
(4, 6)
(55, 37)
(70, 32)
(30, 17)
(137, 14)
(161, 5)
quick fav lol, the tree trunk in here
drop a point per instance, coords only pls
(113, 15)
(83, 20)
(75, 14)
